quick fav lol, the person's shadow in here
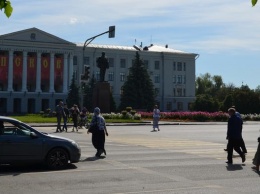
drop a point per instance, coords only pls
(93, 158)
(234, 167)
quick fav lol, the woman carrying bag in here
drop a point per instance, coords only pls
(98, 130)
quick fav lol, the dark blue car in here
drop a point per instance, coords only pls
(20, 143)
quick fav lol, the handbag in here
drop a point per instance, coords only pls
(93, 128)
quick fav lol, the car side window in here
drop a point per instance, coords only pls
(11, 129)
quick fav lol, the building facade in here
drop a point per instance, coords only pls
(36, 69)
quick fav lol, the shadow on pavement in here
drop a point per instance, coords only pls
(234, 167)
(16, 170)
(94, 158)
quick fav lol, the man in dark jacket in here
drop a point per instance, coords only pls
(234, 135)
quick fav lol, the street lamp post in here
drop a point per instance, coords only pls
(84, 77)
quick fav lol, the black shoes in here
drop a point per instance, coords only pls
(243, 158)
(229, 162)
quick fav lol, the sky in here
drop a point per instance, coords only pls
(225, 33)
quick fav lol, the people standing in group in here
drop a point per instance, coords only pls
(59, 114)
(75, 114)
(156, 118)
(98, 136)
(66, 114)
(234, 136)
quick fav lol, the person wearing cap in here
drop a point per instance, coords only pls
(98, 137)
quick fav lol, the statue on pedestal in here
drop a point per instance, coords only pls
(102, 63)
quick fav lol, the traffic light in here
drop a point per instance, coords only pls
(111, 31)
(86, 72)
(85, 75)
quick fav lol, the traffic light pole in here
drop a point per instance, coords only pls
(111, 34)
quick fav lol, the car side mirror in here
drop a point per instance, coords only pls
(33, 135)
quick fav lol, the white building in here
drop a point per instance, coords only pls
(36, 69)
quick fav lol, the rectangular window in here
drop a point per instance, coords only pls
(184, 79)
(86, 61)
(184, 66)
(157, 78)
(184, 92)
(122, 63)
(146, 64)
(174, 66)
(156, 65)
(111, 62)
(110, 76)
(179, 79)
(174, 79)
(122, 77)
(169, 106)
(97, 75)
(180, 106)
(179, 91)
(179, 66)
(75, 60)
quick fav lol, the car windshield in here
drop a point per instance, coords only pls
(8, 128)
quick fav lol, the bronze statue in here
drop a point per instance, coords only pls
(102, 63)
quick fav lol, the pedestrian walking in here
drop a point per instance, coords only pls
(75, 115)
(156, 118)
(256, 159)
(98, 135)
(65, 115)
(234, 136)
(59, 113)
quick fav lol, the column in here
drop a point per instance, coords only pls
(65, 73)
(38, 72)
(10, 71)
(71, 69)
(52, 73)
(24, 78)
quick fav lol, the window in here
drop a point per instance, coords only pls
(122, 63)
(122, 77)
(111, 62)
(179, 79)
(169, 106)
(110, 76)
(184, 92)
(157, 78)
(97, 75)
(174, 79)
(184, 79)
(180, 106)
(75, 74)
(156, 65)
(174, 66)
(11, 129)
(184, 66)
(146, 64)
(75, 60)
(179, 91)
(86, 61)
(179, 66)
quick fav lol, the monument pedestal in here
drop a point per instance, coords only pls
(101, 96)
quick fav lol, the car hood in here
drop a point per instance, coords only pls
(59, 137)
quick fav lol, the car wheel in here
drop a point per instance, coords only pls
(57, 158)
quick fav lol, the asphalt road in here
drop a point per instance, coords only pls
(178, 159)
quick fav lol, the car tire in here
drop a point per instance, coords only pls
(57, 159)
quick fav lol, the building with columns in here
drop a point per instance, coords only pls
(36, 69)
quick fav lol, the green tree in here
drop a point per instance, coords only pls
(6, 5)
(73, 95)
(254, 2)
(88, 94)
(138, 90)
(206, 103)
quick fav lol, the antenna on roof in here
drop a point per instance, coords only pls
(151, 39)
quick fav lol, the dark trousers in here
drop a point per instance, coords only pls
(234, 144)
(98, 140)
(58, 123)
(65, 119)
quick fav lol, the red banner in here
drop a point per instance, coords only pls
(31, 70)
(58, 70)
(3, 69)
(18, 69)
(45, 70)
